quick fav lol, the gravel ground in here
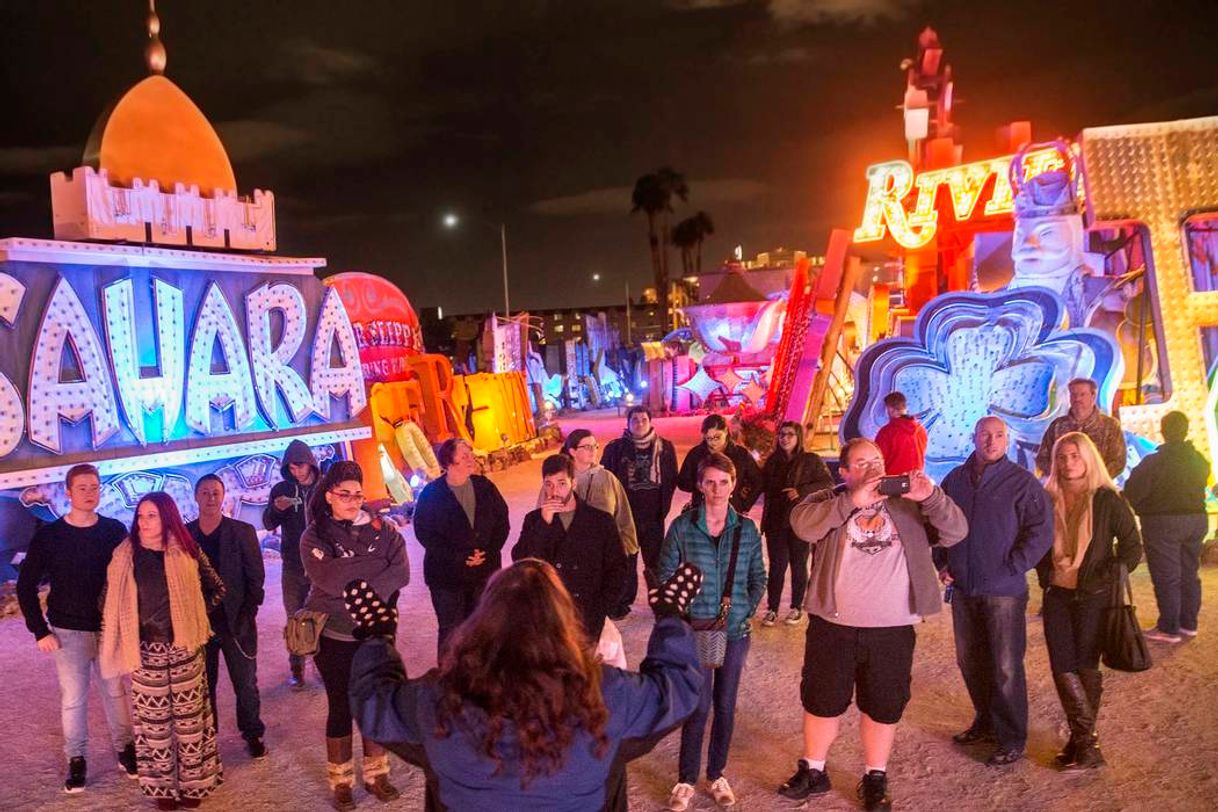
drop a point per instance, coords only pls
(1157, 728)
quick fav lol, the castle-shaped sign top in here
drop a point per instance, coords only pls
(154, 171)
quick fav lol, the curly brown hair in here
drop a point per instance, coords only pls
(522, 658)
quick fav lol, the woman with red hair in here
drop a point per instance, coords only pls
(159, 586)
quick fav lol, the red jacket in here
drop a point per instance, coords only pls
(903, 443)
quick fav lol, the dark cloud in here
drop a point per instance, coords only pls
(37, 160)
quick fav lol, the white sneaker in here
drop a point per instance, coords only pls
(793, 617)
(681, 796)
(1160, 636)
(769, 619)
(721, 791)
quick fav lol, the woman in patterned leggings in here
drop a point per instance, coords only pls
(159, 586)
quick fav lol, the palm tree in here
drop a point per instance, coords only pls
(685, 236)
(653, 196)
(703, 227)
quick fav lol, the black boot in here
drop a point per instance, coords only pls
(1073, 697)
(1090, 757)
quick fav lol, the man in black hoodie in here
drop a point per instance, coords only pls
(286, 509)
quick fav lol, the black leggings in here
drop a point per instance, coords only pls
(333, 661)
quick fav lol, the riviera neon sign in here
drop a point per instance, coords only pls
(891, 185)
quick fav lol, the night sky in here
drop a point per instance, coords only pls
(369, 120)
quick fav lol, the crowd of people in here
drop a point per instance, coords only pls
(523, 704)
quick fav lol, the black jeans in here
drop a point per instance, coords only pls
(243, 674)
(1173, 555)
(1074, 628)
(630, 585)
(784, 547)
(453, 604)
(991, 637)
(651, 540)
(295, 586)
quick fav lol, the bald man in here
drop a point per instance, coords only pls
(1010, 526)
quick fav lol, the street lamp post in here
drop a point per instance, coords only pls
(452, 221)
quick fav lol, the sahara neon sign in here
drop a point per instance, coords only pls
(893, 187)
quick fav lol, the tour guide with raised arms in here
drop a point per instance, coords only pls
(872, 580)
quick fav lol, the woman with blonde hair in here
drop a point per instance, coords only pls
(1094, 533)
(159, 587)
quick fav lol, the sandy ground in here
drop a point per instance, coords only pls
(1158, 728)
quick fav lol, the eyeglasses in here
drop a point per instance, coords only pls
(348, 497)
(587, 447)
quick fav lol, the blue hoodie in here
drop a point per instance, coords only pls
(1010, 527)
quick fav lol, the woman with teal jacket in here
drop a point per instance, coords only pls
(706, 537)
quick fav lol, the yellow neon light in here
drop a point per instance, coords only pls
(889, 185)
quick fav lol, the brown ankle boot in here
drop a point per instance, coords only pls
(376, 778)
(340, 773)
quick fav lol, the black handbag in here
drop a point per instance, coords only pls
(1125, 648)
(710, 635)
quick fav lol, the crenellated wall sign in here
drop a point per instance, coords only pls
(115, 354)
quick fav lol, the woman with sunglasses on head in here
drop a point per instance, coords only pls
(790, 473)
(597, 486)
(343, 542)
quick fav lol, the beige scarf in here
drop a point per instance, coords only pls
(1071, 538)
(119, 651)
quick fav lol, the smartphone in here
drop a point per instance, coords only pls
(894, 485)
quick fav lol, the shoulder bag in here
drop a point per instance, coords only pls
(710, 635)
(1125, 648)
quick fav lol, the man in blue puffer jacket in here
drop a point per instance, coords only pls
(1010, 527)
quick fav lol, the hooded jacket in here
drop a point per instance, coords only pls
(804, 471)
(337, 552)
(902, 442)
(294, 519)
(748, 475)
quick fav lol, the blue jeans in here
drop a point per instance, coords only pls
(1173, 555)
(991, 637)
(242, 665)
(76, 657)
(720, 684)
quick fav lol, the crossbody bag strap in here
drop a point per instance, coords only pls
(725, 602)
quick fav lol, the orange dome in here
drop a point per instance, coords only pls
(155, 132)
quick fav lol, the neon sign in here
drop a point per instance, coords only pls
(133, 346)
(892, 185)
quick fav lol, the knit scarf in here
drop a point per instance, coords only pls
(1071, 538)
(119, 650)
(650, 438)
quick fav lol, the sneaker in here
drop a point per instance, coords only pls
(296, 681)
(769, 618)
(721, 791)
(1188, 632)
(682, 795)
(619, 614)
(382, 789)
(873, 791)
(1161, 636)
(256, 747)
(793, 617)
(805, 782)
(126, 761)
(1003, 757)
(75, 781)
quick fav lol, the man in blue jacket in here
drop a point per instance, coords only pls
(1010, 526)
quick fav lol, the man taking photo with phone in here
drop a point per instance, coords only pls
(872, 580)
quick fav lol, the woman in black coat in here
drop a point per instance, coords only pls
(462, 522)
(717, 440)
(790, 473)
(1078, 575)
